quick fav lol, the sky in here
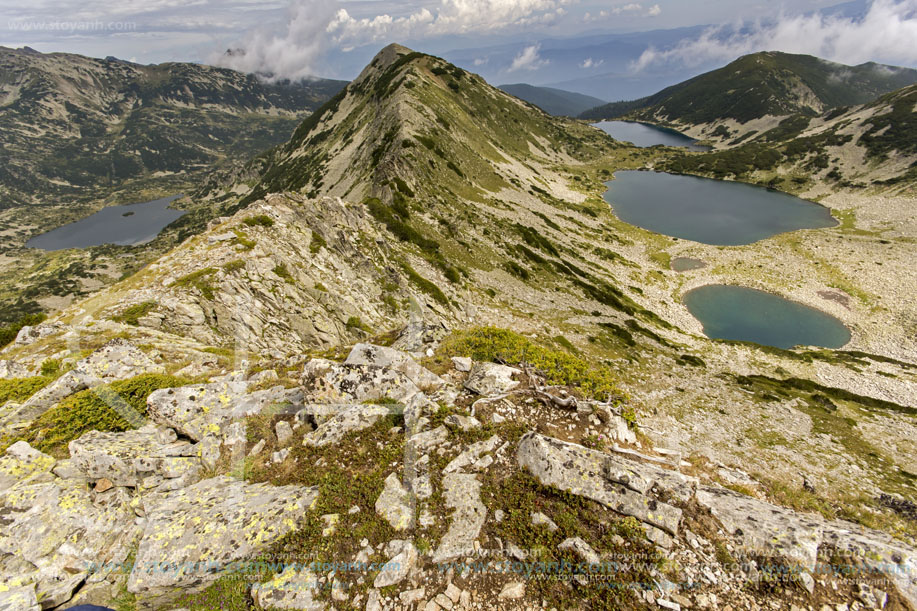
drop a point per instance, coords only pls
(333, 38)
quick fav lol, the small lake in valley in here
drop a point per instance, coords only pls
(709, 211)
(644, 135)
(123, 225)
(744, 314)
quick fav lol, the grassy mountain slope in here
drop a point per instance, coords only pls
(553, 101)
(70, 124)
(762, 84)
(870, 145)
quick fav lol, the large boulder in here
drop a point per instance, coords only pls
(619, 484)
(350, 419)
(12, 369)
(193, 534)
(149, 456)
(762, 528)
(329, 382)
(380, 356)
(116, 360)
(396, 504)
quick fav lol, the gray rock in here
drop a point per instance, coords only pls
(584, 472)
(57, 525)
(203, 528)
(327, 382)
(462, 493)
(581, 549)
(354, 418)
(128, 457)
(12, 369)
(294, 588)
(398, 567)
(539, 519)
(462, 363)
(196, 411)
(54, 594)
(462, 423)
(380, 356)
(395, 504)
(471, 459)
(512, 591)
(490, 379)
(284, 432)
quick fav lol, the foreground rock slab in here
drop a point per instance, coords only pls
(597, 476)
(462, 493)
(192, 534)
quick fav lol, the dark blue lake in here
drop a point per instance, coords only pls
(709, 211)
(123, 225)
(744, 314)
(644, 135)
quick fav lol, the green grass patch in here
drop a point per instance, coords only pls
(18, 390)
(282, 271)
(558, 366)
(95, 409)
(132, 314)
(259, 220)
(199, 280)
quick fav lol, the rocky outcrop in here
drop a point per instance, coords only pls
(350, 419)
(193, 533)
(330, 382)
(20, 462)
(491, 379)
(293, 588)
(622, 486)
(396, 360)
(149, 457)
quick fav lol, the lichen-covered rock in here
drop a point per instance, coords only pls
(56, 526)
(586, 472)
(582, 549)
(209, 409)
(12, 369)
(476, 457)
(395, 504)
(20, 598)
(129, 457)
(193, 533)
(462, 493)
(398, 567)
(294, 588)
(490, 379)
(20, 461)
(327, 382)
(380, 356)
(353, 418)
(762, 528)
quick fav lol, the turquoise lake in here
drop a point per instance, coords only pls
(744, 314)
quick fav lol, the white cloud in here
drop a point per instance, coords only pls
(591, 63)
(480, 61)
(887, 33)
(528, 59)
(314, 26)
(632, 8)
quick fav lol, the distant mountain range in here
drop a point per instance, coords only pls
(556, 102)
(763, 84)
(70, 125)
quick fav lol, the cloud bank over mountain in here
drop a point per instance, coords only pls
(886, 33)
